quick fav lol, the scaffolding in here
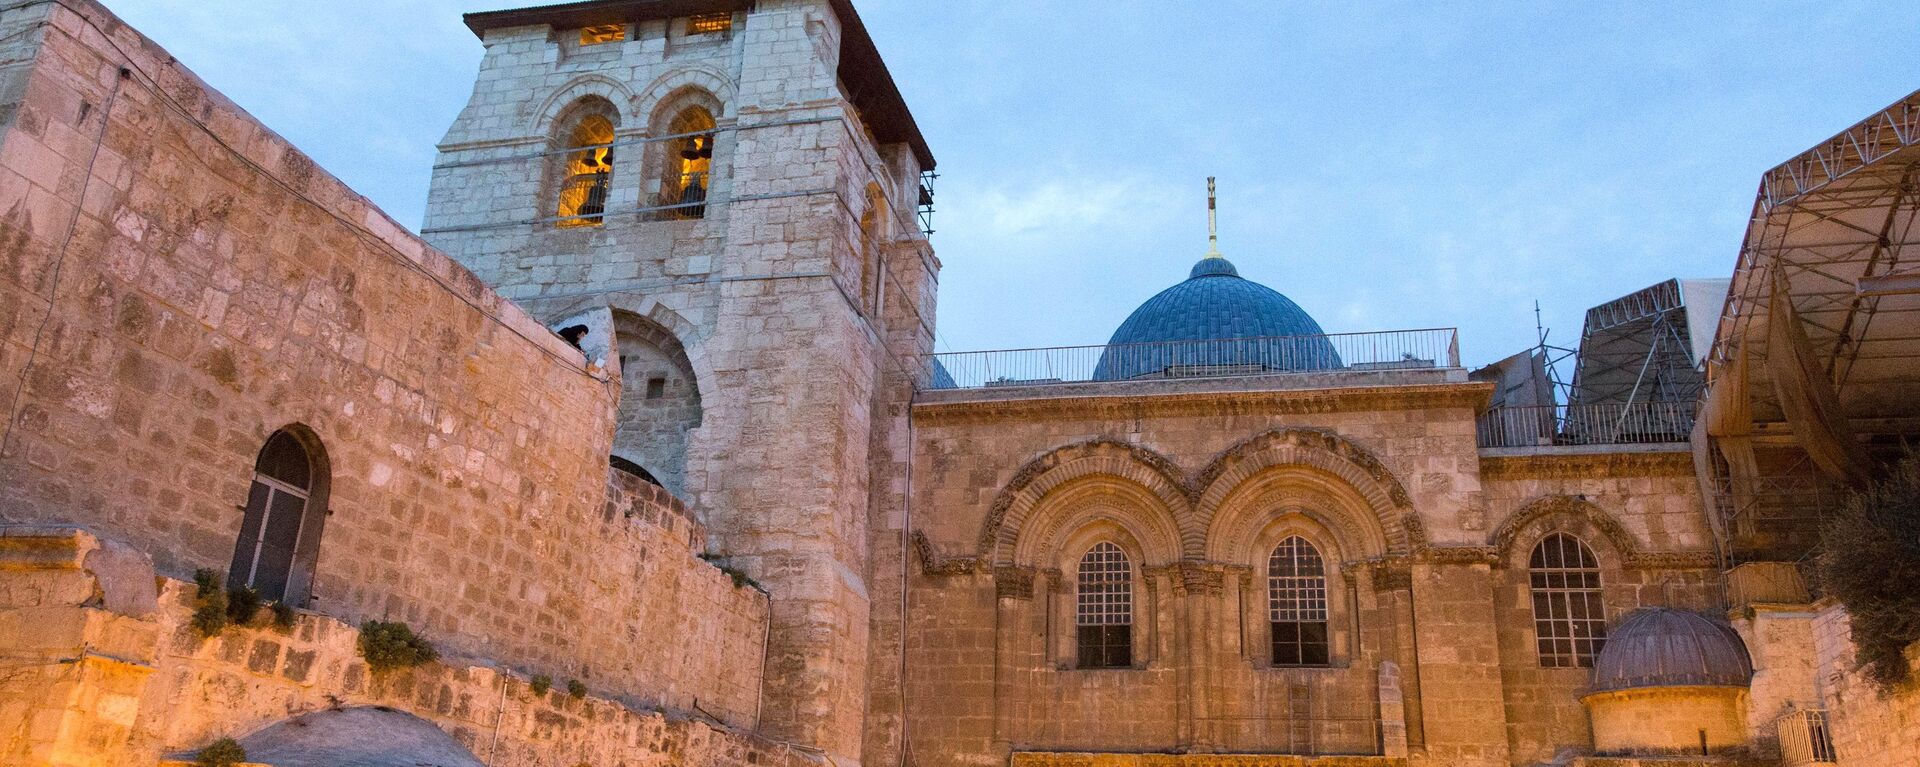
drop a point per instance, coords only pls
(1811, 380)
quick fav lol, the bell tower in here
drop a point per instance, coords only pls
(724, 193)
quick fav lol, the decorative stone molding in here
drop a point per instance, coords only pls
(1013, 582)
(1399, 528)
(1100, 455)
(672, 83)
(1629, 461)
(585, 86)
(1201, 578)
(1546, 507)
(1390, 574)
(1459, 555)
(934, 565)
(1093, 402)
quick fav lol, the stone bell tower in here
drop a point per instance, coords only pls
(725, 194)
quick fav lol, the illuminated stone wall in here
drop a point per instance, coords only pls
(787, 308)
(104, 668)
(1869, 727)
(1429, 535)
(217, 286)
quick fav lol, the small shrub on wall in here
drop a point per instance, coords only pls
(388, 646)
(224, 752)
(1870, 563)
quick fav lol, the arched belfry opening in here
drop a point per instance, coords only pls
(659, 401)
(687, 125)
(586, 174)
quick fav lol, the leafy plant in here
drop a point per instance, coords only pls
(209, 604)
(576, 688)
(393, 645)
(284, 616)
(243, 603)
(1870, 563)
(224, 752)
(541, 684)
(739, 576)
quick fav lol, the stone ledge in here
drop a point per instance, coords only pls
(1089, 759)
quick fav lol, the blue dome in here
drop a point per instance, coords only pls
(1215, 304)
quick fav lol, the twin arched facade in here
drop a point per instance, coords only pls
(1302, 522)
(651, 152)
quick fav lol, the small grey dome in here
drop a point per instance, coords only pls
(1662, 647)
(1215, 303)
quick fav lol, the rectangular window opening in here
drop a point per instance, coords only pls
(603, 33)
(710, 23)
(656, 388)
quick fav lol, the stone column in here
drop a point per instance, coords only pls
(1393, 712)
(1462, 696)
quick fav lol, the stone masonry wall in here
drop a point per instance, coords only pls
(1657, 552)
(217, 286)
(1870, 728)
(100, 674)
(981, 683)
(766, 293)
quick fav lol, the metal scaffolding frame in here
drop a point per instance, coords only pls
(1835, 231)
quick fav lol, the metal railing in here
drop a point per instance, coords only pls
(1614, 423)
(1805, 738)
(1266, 355)
(584, 195)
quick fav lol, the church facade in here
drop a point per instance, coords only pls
(644, 436)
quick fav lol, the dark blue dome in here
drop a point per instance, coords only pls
(1215, 305)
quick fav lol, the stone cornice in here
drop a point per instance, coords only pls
(1133, 403)
(1624, 461)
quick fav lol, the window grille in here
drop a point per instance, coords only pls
(1297, 604)
(710, 23)
(603, 33)
(1569, 617)
(1805, 738)
(1104, 608)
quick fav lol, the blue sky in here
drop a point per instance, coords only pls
(1393, 165)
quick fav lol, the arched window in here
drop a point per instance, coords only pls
(688, 163)
(589, 172)
(1297, 604)
(1104, 608)
(1569, 618)
(277, 533)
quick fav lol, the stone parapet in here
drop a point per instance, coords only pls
(114, 688)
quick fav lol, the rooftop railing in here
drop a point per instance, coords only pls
(1265, 355)
(1613, 423)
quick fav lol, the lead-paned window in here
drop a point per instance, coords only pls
(1569, 616)
(1103, 609)
(1297, 604)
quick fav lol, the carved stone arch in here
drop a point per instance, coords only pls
(580, 88)
(1333, 463)
(690, 336)
(1099, 456)
(1237, 534)
(1560, 513)
(675, 83)
(1090, 501)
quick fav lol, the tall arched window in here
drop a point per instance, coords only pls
(1569, 618)
(589, 172)
(277, 533)
(1104, 608)
(688, 163)
(1297, 604)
